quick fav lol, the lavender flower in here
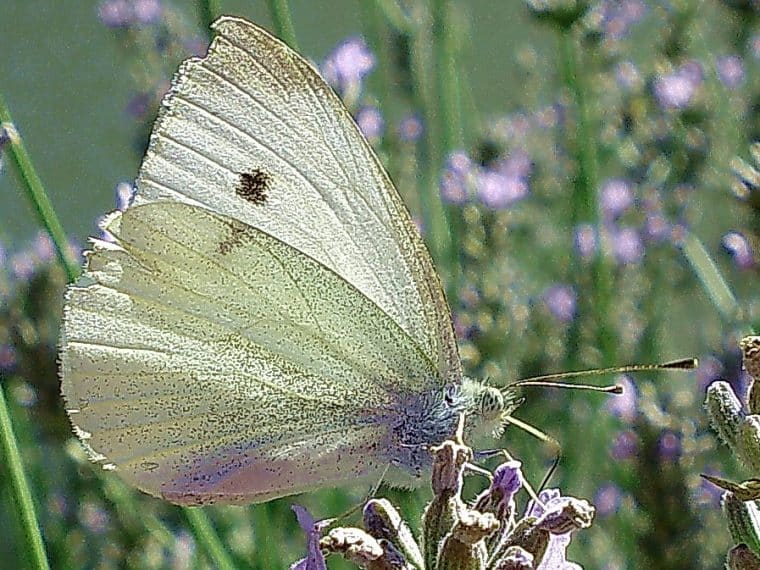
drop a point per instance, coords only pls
(586, 241)
(627, 75)
(625, 405)
(676, 90)
(561, 301)
(497, 190)
(619, 16)
(607, 499)
(616, 197)
(124, 192)
(669, 446)
(410, 128)
(627, 246)
(124, 13)
(625, 446)
(8, 359)
(370, 122)
(739, 248)
(457, 179)
(730, 71)
(348, 64)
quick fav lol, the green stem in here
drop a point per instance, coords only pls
(423, 73)
(204, 533)
(711, 278)
(450, 114)
(36, 192)
(35, 547)
(209, 11)
(283, 23)
(584, 199)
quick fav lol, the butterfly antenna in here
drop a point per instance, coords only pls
(548, 380)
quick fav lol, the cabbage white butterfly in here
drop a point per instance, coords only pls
(266, 320)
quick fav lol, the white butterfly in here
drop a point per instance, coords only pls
(267, 320)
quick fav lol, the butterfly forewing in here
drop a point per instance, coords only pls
(251, 131)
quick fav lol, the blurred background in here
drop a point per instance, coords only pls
(580, 170)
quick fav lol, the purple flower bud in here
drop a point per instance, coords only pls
(8, 358)
(517, 165)
(625, 446)
(624, 405)
(709, 369)
(497, 191)
(348, 64)
(23, 265)
(370, 122)
(669, 446)
(585, 241)
(607, 500)
(627, 75)
(627, 246)
(410, 128)
(620, 15)
(616, 197)
(676, 90)
(115, 13)
(147, 11)
(561, 301)
(738, 246)
(731, 71)
(43, 247)
(124, 192)
(656, 227)
(457, 178)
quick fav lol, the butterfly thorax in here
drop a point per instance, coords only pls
(424, 420)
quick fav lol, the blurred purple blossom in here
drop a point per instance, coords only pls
(497, 190)
(517, 165)
(676, 90)
(586, 241)
(371, 122)
(709, 369)
(124, 13)
(561, 301)
(625, 445)
(94, 517)
(22, 265)
(656, 227)
(410, 128)
(348, 64)
(607, 499)
(123, 192)
(754, 46)
(139, 105)
(616, 196)
(8, 358)
(627, 75)
(43, 248)
(618, 16)
(730, 70)
(627, 246)
(739, 248)
(624, 405)
(457, 178)
(669, 446)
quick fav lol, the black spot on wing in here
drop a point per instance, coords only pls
(253, 186)
(235, 238)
